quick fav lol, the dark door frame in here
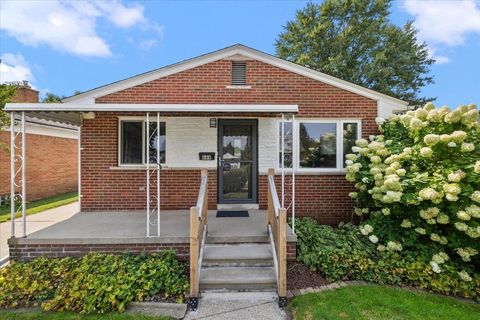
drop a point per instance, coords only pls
(254, 178)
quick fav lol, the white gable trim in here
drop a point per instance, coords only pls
(230, 52)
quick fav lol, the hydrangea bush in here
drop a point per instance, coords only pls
(418, 186)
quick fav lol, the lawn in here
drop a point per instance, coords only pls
(374, 302)
(40, 315)
(41, 205)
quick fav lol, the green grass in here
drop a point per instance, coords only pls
(374, 302)
(41, 205)
(40, 315)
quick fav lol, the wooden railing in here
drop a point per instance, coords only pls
(198, 232)
(277, 231)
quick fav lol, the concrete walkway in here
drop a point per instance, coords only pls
(238, 306)
(35, 222)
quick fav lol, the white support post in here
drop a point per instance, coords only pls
(148, 173)
(283, 160)
(24, 178)
(293, 178)
(12, 173)
(158, 174)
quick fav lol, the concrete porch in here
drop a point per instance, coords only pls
(123, 231)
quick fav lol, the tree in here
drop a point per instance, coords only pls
(355, 41)
(7, 92)
(52, 98)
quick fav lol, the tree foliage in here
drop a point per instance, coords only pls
(7, 92)
(355, 41)
(52, 98)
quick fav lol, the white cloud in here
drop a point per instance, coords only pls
(70, 26)
(13, 67)
(444, 23)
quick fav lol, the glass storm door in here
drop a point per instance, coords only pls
(237, 164)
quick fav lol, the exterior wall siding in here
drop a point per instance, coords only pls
(322, 196)
(52, 165)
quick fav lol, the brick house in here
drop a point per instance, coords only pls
(52, 161)
(265, 132)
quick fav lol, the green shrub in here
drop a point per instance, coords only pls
(345, 254)
(96, 283)
(419, 184)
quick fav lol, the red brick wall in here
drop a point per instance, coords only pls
(25, 94)
(324, 197)
(52, 165)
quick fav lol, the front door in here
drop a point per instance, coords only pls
(237, 165)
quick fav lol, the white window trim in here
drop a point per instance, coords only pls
(296, 144)
(119, 138)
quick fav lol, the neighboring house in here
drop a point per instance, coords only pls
(53, 153)
(221, 114)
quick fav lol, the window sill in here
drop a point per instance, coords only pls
(133, 167)
(238, 87)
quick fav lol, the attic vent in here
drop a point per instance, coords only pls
(239, 73)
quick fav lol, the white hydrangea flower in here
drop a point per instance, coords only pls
(435, 237)
(464, 276)
(417, 124)
(394, 246)
(401, 172)
(458, 136)
(435, 267)
(356, 149)
(453, 188)
(470, 116)
(429, 194)
(381, 247)
(463, 215)
(466, 253)
(361, 143)
(421, 114)
(429, 106)
(476, 168)
(456, 176)
(473, 210)
(386, 211)
(429, 213)
(407, 150)
(373, 239)
(351, 156)
(443, 219)
(431, 139)
(353, 195)
(445, 138)
(420, 231)
(467, 147)
(461, 226)
(432, 221)
(426, 152)
(379, 120)
(405, 119)
(406, 223)
(366, 229)
(440, 258)
(452, 144)
(473, 232)
(451, 197)
(376, 159)
(475, 196)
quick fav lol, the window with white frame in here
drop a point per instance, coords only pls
(134, 145)
(320, 145)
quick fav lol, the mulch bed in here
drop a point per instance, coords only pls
(300, 277)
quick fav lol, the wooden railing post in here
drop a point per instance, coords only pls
(194, 252)
(282, 254)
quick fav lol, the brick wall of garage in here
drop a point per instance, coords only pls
(52, 165)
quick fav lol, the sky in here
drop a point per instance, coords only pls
(67, 46)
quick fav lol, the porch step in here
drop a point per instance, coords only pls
(238, 278)
(237, 255)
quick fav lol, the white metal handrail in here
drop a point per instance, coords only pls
(273, 191)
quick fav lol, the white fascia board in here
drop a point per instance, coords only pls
(71, 107)
(234, 51)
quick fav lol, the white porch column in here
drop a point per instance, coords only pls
(12, 173)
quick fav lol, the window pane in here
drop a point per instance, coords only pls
(156, 141)
(288, 146)
(131, 143)
(318, 145)
(350, 135)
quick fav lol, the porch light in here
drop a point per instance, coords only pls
(213, 122)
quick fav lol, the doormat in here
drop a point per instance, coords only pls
(232, 214)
